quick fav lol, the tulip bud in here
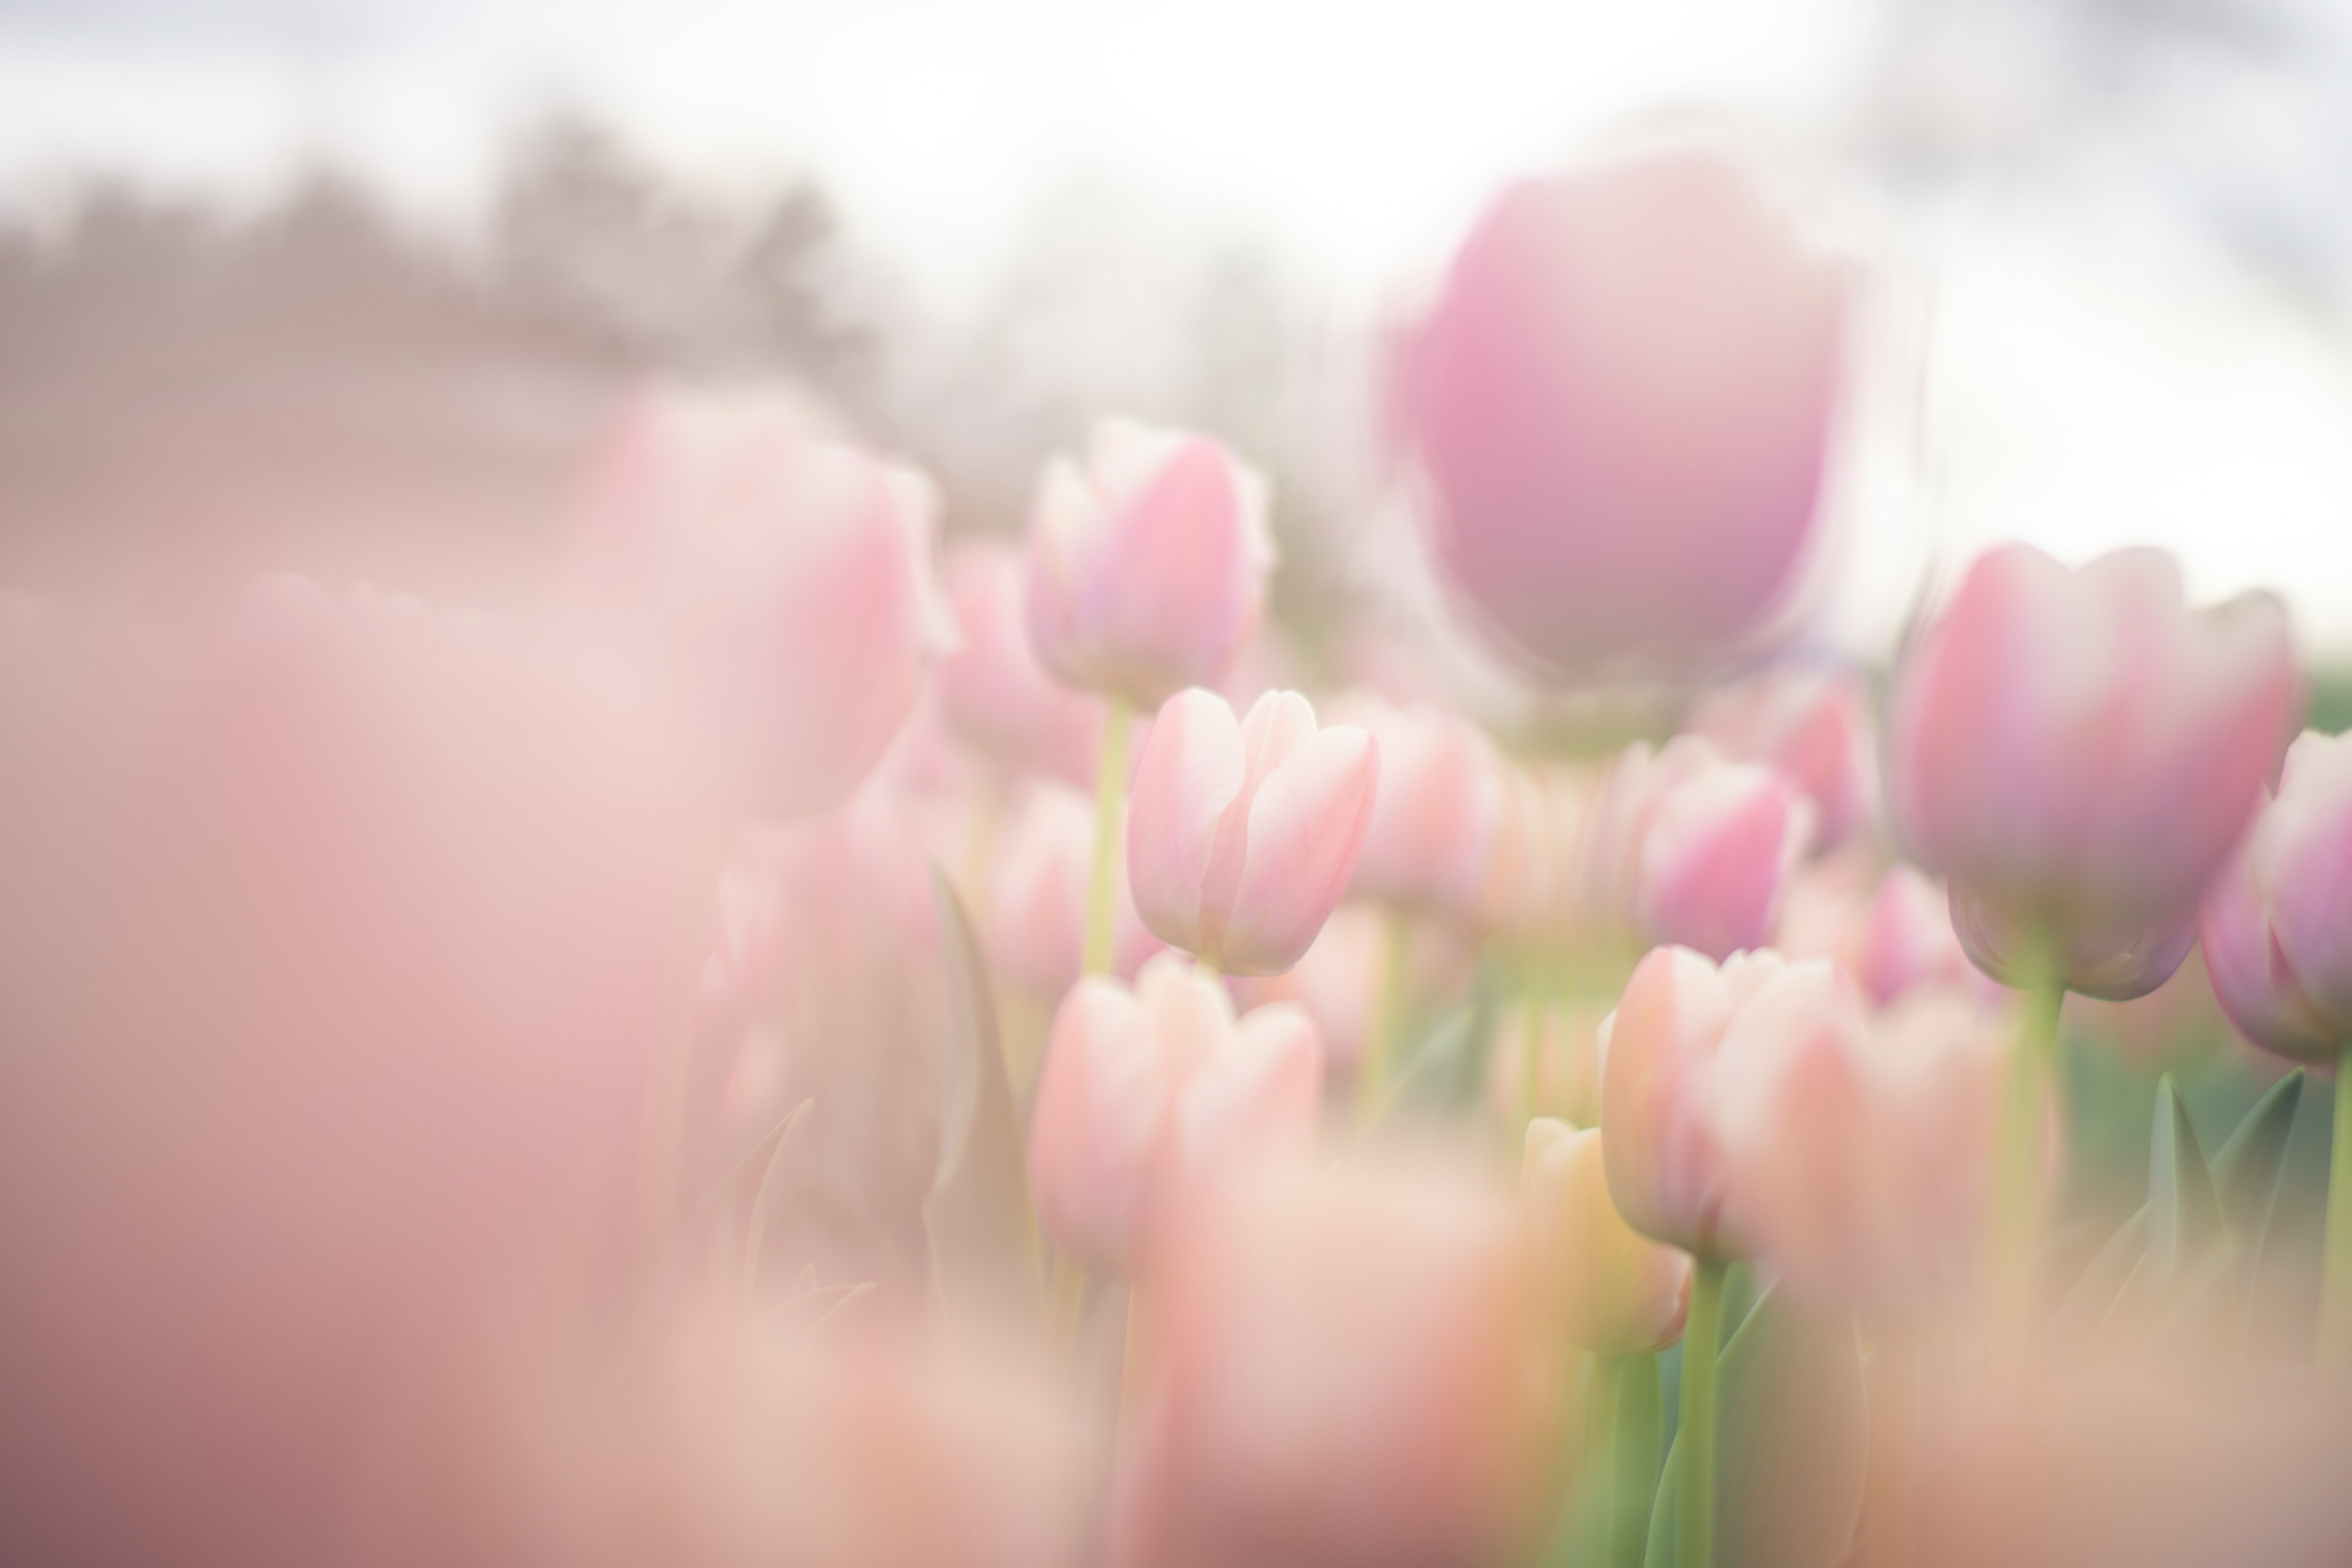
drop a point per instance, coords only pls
(994, 693)
(2076, 753)
(1145, 1093)
(1622, 400)
(2278, 942)
(775, 584)
(1036, 896)
(1242, 837)
(1813, 728)
(1147, 568)
(1715, 851)
(1605, 1287)
(1438, 810)
(1341, 1377)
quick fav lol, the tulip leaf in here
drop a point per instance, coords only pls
(2184, 1216)
(2106, 1278)
(1792, 1434)
(740, 1189)
(983, 1233)
(1444, 1072)
(2247, 1167)
(764, 1198)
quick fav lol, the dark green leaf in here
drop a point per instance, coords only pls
(2247, 1167)
(2184, 1216)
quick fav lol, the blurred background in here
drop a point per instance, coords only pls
(352, 284)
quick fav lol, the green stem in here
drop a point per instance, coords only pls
(1597, 1484)
(2335, 1294)
(2017, 1153)
(1387, 1019)
(1695, 1529)
(1110, 799)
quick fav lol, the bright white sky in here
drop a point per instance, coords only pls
(2090, 384)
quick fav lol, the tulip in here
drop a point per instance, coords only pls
(1438, 810)
(1147, 568)
(1036, 895)
(1243, 836)
(2278, 946)
(1811, 727)
(1336, 981)
(1857, 1151)
(1606, 1287)
(2076, 753)
(1907, 940)
(1715, 852)
(1341, 1374)
(1622, 400)
(995, 694)
(775, 584)
(1146, 1094)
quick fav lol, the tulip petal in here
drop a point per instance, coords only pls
(1192, 770)
(1306, 828)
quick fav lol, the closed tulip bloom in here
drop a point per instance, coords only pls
(1602, 1285)
(1716, 850)
(1242, 837)
(2076, 753)
(1858, 1149)
(1341, 1375)
(1907, 938)
(1438, 810)
(776, 583)
(994, 693)
(2278, 924)
(1146, 1093)
(1658, 1074)
(1810, 726)
(1622, 399)
(1335, 981)
(1036, 895)
(1147, 565)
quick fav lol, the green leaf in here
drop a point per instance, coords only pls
(2104, 1282)
(1444, 1072)
(2247, 1168)
(1794, 1435)
(982, 1232)
(1639, 1456)
(2184, 1216)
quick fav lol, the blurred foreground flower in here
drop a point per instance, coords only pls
(1603, 1285)
(995, 694)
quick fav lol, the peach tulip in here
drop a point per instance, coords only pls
(2076, 753)
(1242, 837)
(1148, 1093)
(1810, 726)
(1147, 566)
(1622, 400)
(1602, 1284)
(775, 584)
(2278, 934)
(994, 693)
(1438, 810)
(1036, 895)
(1339, 1374)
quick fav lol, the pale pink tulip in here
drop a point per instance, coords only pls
(1658, 1083)
(1339, 1374)
(1810, 726)
(1622, 399)
(2278, 924)
(994, 693)
(1336, 981)
(1438, 810)
(2076, 753)
(1716, 848)
(1857, 1151)
(1602, 1284)
(1148, 1094)
(1036, 896)
(774, 585)
(1148, 566)
(1825, 910)
(1242, 837)
(1908, 941)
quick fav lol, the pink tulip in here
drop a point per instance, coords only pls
(1622, 400)
(1825, 911)
(1659, 1072)
(1336, 981)
(1243, 836)
(2076, 753)
(1857, 1152)
(1036, 895)
(1147, 568)
(1602, 1285)
(1438, 810)
(1716, 849)
(1813, 728)
(775, 584)
(2278, 924)
(1148, 1094)
(1908, 941)
(995, 694)
(1340, 1369)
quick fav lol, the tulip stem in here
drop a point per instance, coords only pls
(1695, 1525)
(2336, 1292)
(1110, 799)
(1388, 1018)
(2017, 1154)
